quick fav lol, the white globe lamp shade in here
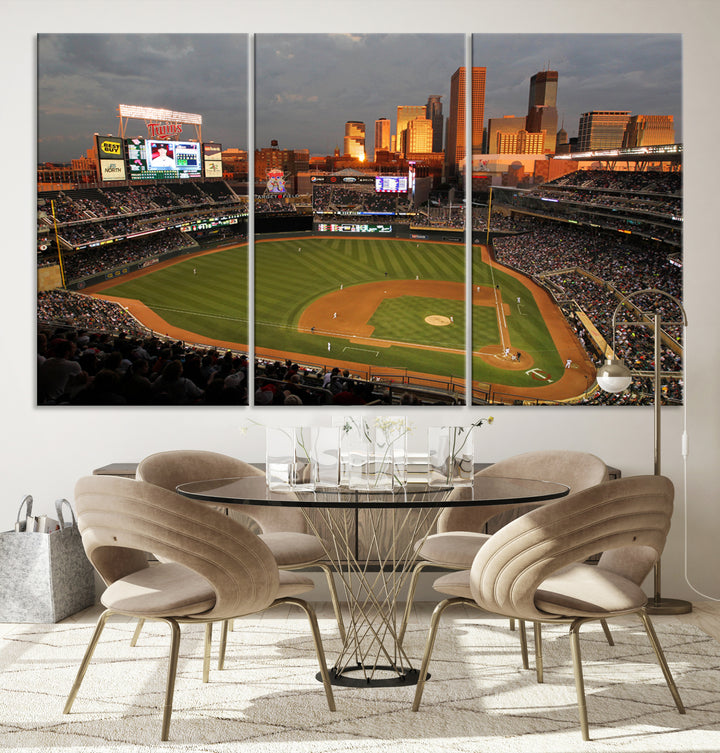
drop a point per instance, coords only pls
(614, 376)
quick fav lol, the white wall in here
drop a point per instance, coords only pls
(45, 450)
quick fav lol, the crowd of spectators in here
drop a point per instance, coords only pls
(81, 264)
(642, 203)
(288, 383)
(360, 199)
(453, 218)
(62, 308)
(91, 215)
(91, 352)
(273, 204)
(628, 265)
(590, 271)
(625, 180)
(627, 201)
(278, 383)
(449, 217)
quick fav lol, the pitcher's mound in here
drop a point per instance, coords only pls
(438, 321)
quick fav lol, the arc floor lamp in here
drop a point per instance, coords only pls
(615, 376)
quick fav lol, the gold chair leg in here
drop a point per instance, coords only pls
(429, 645)
(208, 644)
(138, 630)
(172, 668)
(608, 634)
(650, 630)
(537, 634)
(329, 574)
(579, 682)
(319, 650)
(223, 644)
(171, 675)
(523, 645)
(419, 567)
(89, 651)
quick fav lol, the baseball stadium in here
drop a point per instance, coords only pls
(354, 287)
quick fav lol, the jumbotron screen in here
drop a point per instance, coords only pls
(391, 183)
(154, 159)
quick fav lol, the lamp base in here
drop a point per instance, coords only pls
(661, 605)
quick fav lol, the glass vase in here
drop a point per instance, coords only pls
(354, 440)
(390, 437)
(326, 456)
(450, 455)
(304, 466)
(373, 455)
(288, 458)
(279, 457)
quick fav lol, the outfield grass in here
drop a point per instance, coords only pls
(213, 302)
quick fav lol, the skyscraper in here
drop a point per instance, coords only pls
(354, 139)
(542, 107)
(649, 130)
(602, 129)
(419, 136)
(382, 135)
(406, 113)
(508, 124)
(455, 138)
(434, 113)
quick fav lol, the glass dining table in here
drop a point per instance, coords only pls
(373, 577)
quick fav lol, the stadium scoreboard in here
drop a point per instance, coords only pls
(151, 159)
(391, 183)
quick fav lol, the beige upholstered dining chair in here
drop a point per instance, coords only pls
(282, 529)
(535, 567)
(461, 530)
(211, 567)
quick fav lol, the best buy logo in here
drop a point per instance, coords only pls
(110, 147)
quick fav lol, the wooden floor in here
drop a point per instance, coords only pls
(706, 615)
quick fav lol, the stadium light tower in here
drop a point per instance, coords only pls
(615, 376)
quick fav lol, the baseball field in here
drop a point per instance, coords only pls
(386, 304)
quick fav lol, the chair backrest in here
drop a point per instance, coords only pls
(120, 519)
(616, 516)
(174, 467)
(578, 470)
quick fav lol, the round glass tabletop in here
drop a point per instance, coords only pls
(485, 490)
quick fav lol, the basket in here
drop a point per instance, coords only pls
(44, 577)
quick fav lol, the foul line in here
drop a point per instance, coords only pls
(199, 313)
(502, 324)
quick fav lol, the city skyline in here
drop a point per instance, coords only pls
(309, 85)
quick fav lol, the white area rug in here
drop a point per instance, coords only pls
(266, 700)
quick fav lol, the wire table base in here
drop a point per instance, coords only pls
(372, 581)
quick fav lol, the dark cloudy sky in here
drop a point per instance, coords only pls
(82, 78)
(308, 85)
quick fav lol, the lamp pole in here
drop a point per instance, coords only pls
(614, 376)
